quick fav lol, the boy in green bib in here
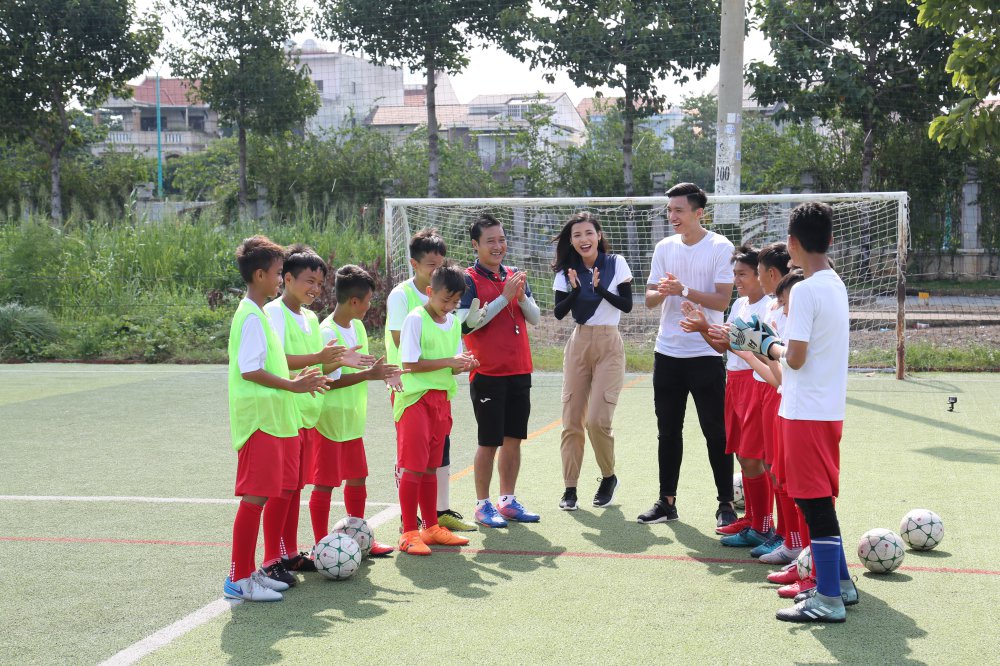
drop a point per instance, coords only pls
(430, 347)
(427, 254)
(263, 417)
(339, 452)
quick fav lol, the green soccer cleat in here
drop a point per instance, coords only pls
(454, 521)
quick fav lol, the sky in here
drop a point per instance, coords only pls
(491, 70)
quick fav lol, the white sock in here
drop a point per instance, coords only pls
(481, 503)
(443, 477)
(505, 500)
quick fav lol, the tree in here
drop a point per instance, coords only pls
(55, 55)
(853, 60)
(627, 44)
(428, 35)
(235, 53)
(974, 64)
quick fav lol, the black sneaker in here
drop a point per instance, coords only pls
(606, 491)
(568, 501)
(277, 571)
(661, 512)
(300, 562)
(726, 515)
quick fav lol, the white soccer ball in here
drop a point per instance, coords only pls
(738, 500)
(337, 556)
(921, 529)
(881, 550)
(804, 563)
(357, 529)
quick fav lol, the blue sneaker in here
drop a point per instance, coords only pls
(772, 544)
(745, 538)
(489, 517)
(514, 510)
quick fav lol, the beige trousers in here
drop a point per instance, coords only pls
(593, 374)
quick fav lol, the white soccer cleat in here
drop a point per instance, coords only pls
(250, 589)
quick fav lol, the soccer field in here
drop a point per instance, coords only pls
(116, 512)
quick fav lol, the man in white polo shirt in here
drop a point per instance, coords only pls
(694, 265)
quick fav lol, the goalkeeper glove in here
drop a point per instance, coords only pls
(475, 315)
(754, 336)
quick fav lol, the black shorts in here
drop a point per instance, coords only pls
(502, 406)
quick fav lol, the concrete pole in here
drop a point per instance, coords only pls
(729, 122)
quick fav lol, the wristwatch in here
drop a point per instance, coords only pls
(685, 291)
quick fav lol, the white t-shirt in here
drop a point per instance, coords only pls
(252, 353)
(605, 314)
(275, 311)
(396, 305)
(409, 336)
(700, 267)
(818, 313)
(744, 309)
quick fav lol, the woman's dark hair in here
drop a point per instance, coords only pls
(566, 254)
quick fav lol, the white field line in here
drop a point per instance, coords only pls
(133, 653)
(144, 500)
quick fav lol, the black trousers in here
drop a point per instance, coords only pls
(704, 378)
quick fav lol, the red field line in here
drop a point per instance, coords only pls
(690, 558)
(494, 551)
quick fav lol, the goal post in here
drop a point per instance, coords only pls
(871, 235)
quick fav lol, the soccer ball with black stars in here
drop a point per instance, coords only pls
(881, 550)
(921, 529)
(337, 556)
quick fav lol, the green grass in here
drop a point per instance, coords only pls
(977, 287)
(931, 357)
(585, 587)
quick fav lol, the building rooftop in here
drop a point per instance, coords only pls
(173, 92)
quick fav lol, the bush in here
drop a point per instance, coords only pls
(25, 331)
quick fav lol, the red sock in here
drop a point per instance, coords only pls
(275, 512)
(768, 501)
(793, 532)
(747, 508)
(803, 528)
(246, 526)
(319, 513)
(290, 532)
(354, 500)
(409, 489)
(429, 500)
(755, 491)
(781, 520)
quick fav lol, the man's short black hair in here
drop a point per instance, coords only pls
(775, 255)
(786, 283)
(353, 282)
(746, 254)
(257, 253)
(695, 195)
(427, 241)
(811, 224)
(450, 278)
(300, 257)
(484, 221)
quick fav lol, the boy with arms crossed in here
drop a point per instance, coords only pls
(430, 348)
(263, 418)
(501, 386)
(814, 396)
(427, 253)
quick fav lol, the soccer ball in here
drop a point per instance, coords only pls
(881, 550)
(804, 563)
(357, 529)
(921, 529)
(337, 556)
(738, 501)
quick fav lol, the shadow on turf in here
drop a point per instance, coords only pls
(948, 425)
(452, 571)
(974, 456)
(705, 548)
(311, 609)
(875, 633)
(615, 534)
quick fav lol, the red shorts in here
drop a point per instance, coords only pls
(812, 458)
(292, 463)
(778, 450)
(353, 461)
(421, 430)
(260, 464)
(326, 462)
(767, 399)
(739, 383)
(307, 442)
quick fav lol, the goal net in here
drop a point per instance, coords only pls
(870, 237)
